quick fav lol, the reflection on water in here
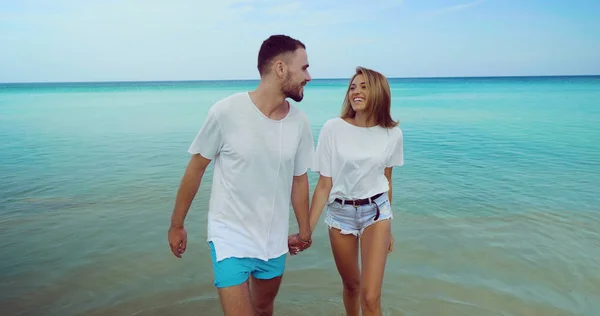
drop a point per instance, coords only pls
(533, 264)
(496, 211)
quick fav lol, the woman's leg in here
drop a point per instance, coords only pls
(345, 254)
(374, 244)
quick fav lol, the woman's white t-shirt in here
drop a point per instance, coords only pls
(356, 157)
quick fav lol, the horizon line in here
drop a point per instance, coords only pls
(313, 79)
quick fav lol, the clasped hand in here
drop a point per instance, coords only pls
(296, 244)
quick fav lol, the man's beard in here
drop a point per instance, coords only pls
(291, 91)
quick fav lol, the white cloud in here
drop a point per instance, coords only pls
(72, 40)
(168, 40)
(454, 8)
(77, 40)
(129, 16)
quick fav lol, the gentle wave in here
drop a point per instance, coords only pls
(496, 209)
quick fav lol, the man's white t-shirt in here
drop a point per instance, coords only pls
(356, 157)
(255, 159)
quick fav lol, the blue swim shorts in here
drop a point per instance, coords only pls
(235, 271)
(353, 220)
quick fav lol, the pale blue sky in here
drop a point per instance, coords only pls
(79, 40)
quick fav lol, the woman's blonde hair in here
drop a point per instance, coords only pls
(379, 101)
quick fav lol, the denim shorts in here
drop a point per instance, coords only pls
(354, 220)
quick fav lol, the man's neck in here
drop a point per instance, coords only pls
(269, 100)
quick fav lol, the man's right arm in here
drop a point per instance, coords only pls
(188, 188)
(205, 147)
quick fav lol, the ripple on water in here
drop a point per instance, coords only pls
(496, 208)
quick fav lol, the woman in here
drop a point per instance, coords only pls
(354, 156)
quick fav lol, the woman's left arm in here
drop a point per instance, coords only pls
(396, 158)
(388, 175)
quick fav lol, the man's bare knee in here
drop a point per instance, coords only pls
(263, 310)
(263, 306)
(352, 286)
(263, 295)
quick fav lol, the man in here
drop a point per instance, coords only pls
(262, 146)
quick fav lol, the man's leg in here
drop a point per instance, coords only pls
(263, 293)
(264, 285)
(231, 280)
(235, 300)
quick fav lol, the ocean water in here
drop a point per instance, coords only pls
(497, 210)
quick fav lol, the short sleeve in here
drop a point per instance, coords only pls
(396, 153)
(322, 160)
(209, 140)
(305, 150)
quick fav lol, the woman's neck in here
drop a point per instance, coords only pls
(360, 119)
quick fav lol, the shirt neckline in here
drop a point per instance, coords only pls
(263, 114)
(356, 126)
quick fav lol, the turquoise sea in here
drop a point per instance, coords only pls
(497, 210)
